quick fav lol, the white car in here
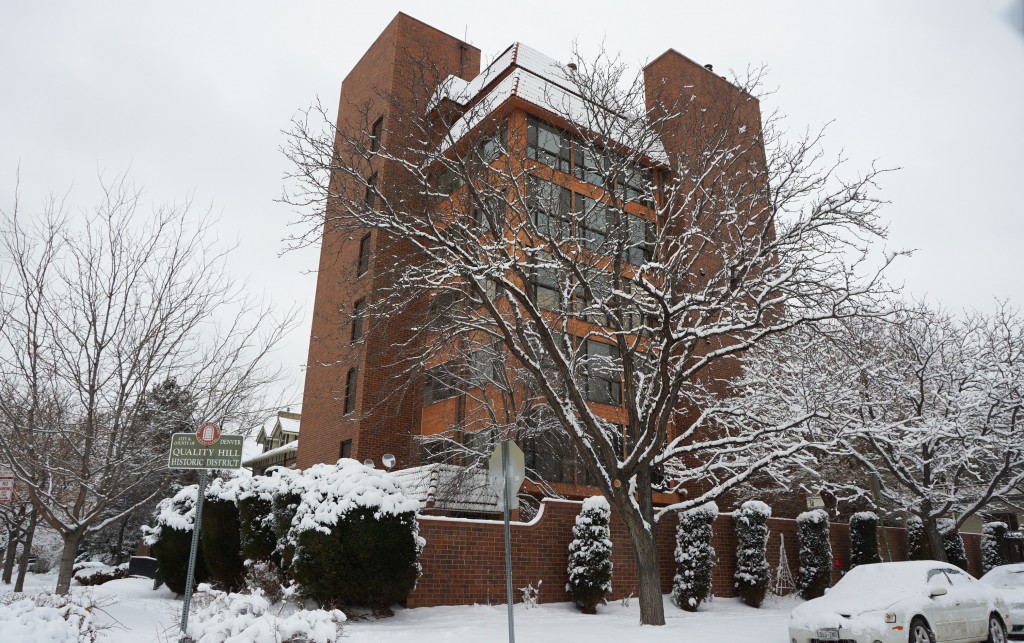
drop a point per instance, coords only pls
(922, 601)
(1009, 580)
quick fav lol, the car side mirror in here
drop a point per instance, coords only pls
(935, 590)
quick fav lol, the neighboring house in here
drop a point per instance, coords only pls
(279, 439)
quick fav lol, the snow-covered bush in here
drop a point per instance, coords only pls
(97, 573)
(815, 554)
(286, 498)
(864, 539)
(356, 537)
(953, 544)
(221, 616)
(256, 515)
(694, 557)
(590, 556)
(220, 533)
(917, 542)
(992, 545)
(53, 618)
(753, 575)
(171, 539)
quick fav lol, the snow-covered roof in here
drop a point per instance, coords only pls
(272, 454)
(449, 487)
(535, 78)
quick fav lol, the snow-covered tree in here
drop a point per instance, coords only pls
(692, 233)
(96, 309)
(695, 557)
(953, 544)
(992, 548)
(815, 573)
(590, 556)
(864, 539)
(753, 575)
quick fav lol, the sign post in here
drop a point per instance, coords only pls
(6, 485)
(507, 470)
(203, 450)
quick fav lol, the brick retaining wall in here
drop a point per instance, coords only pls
(464, 563)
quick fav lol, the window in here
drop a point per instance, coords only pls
(593, 222)
(364, 256)
(358, 312)
(479, 445)
(543, 285)
(449, 181)
(350, 390)
(443, 306)
(375, 133)
(370, 198)
(548, 144)
(549, 205)
(484, 364)
(588, 165)
(603, 382)
(545, 456)
(639, 187)
(346, 449)
(601, 287)
(493, 210)
(640, 241)
(494, 145)
(437, 385)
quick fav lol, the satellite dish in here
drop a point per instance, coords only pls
(388, 460)
(368, 462)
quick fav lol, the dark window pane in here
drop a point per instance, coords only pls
(371, 191)
(437, 385)
(548, 144)
(364, 256)
(346, 449)
(358, 312)
(375, 134)
(350, 390)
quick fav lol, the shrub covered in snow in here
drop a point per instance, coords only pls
(992, 545)
(356, 537)
(286, 498)
(917, 542)
(53, 618)
(815, 573)
(864, 539)
(97, 573)
(753, 575)
(256, 515)
(590, 556)
(220, 533)
(221, 616)
(953, 543)
(695, 557)
(171, 539)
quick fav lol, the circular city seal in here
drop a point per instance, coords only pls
(208, 433)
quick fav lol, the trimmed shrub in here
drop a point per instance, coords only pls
(286, 498)
(953, 544)
(695, 557)
(918, 547)
(220, 534)
(864, 539)
(256, 519)
(590, 556)
(815, 554)
(753, 575)
(171, 539)
(992, 545)
(356, 537)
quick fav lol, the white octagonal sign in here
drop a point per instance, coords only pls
(516, 473)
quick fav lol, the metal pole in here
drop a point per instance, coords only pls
(505, 467)
(193, 553)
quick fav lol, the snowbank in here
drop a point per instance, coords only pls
(223, 617)
(47, 618)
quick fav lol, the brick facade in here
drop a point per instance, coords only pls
(464, 560)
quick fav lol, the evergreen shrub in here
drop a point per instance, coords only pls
(590, 556)
(753, 575)
(815, 554)
(695, 557)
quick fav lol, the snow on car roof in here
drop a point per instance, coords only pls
(1007, 576)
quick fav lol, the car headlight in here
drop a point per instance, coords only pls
(890, 617)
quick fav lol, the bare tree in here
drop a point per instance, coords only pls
(95, 309)
(938, 401)
(625, 250)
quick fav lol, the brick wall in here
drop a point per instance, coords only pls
(463, 562)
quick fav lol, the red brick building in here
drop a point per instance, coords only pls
(348, 409)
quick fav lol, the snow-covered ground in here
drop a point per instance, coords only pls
(143, 615)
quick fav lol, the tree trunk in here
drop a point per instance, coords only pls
(67, 561)
(645, 551)
(120, 540)
(14, 537)
(26, 552)
(931, 532)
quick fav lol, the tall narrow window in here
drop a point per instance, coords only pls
(350, 390)
(371, 191)
(346, 449)
(375, 134)
(364, 256)
(358, 312)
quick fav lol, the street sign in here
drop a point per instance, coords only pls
(6, 486)
(208, 433)
(189, 452)
(516, 475)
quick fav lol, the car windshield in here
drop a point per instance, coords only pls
(1006, 576)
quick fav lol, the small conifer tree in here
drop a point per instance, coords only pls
(917, 542)
(694, 557)
(992, 545)
(220, 534)
(864, 539)
(753, 575)
(953, 543)
(815, 554)
(590, 556)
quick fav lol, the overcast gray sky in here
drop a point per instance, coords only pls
(193, 95)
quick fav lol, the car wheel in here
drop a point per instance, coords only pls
(920, 632)
(996, 630)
